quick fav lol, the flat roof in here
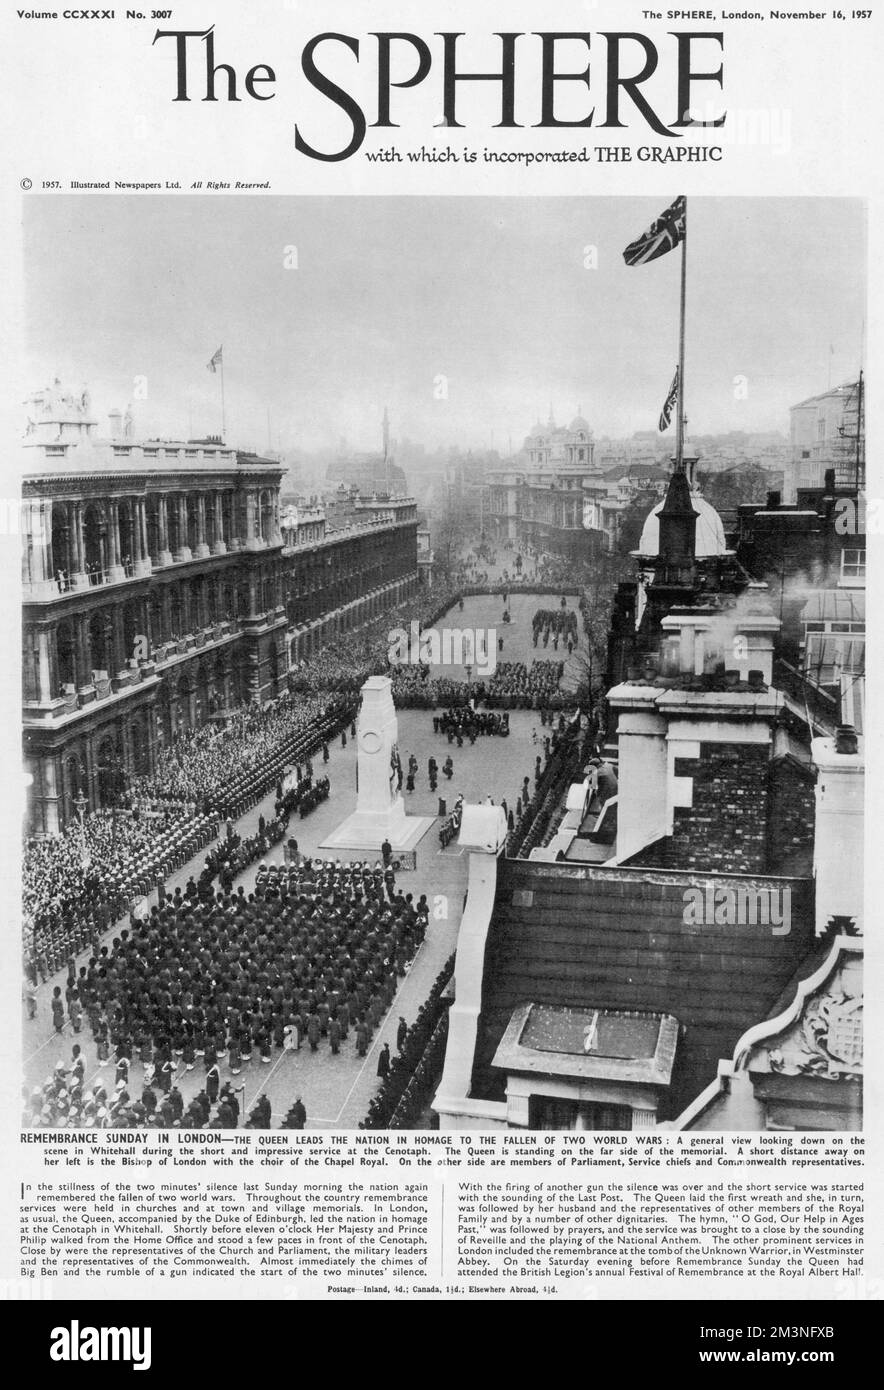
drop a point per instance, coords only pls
(603, 1044)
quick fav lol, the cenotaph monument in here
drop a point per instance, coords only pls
(380, 810)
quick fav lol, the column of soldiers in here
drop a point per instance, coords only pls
(311, 957)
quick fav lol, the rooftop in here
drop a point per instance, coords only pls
(562, 934)
(613, 1045)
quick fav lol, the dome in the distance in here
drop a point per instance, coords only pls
(710, 532)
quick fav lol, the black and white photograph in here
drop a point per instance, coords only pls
(443, 669)
(441, 510)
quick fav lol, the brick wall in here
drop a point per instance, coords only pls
(791, 813)
(726, 827)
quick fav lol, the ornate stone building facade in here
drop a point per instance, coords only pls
(538, 497)
(160, 590)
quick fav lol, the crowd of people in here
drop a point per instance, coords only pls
(559, 750)
(403, 1093)
(212, 977)
(308, 961)
(565, 751)
(523, 566)
(289, 798)
(464, 721)
(77, 884)
(80, 882)
(450, 826)
(517, 686)
(558, 624)
(316, 793)
(345, 664)
(215, 767)
(415, 688)
(513, 685)
(234, 853)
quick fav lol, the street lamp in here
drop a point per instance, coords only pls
(80, 804)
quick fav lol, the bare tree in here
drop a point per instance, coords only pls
(598, 587)
(449, 532)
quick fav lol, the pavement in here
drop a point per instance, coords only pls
(336, 1091)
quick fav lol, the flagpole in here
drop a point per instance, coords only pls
(679, 434)
(223, 411)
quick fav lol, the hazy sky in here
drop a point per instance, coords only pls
(389, 294)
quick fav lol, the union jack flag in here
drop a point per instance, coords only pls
(217, 361)
(663, 235)
(666, 412)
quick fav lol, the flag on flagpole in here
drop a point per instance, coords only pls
(666, 412)
(663, 235)
(217, 361)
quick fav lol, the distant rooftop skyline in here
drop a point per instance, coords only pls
(464, 317)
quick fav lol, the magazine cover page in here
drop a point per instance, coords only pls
(436, 535)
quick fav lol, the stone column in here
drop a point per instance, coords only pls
(38, 536)
(151, 740)
(83, 652)
(146, 622)
(143, 564)
(251, 520)
(137, 551)
(184, 605)
(67, 562)
(220, 546)
(166, 603)
(44, 663)
(115, 569)
(27, 550)
(202, 548)
(106, 657)
(173, 713)
(118, 653)
(165, 554)
(184, 552)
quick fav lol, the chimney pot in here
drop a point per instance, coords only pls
(846, 740)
